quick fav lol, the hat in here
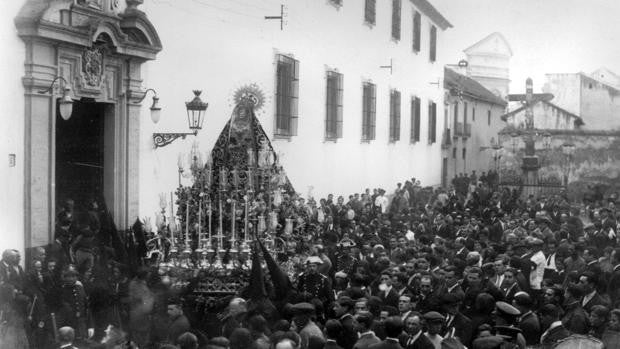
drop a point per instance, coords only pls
(450, 299)
(346, 242)
(433, 316)
(379, 246)
(491, 342)
(314, 259)
(532, 241)
(341, 274)
(302, 308)
(345, 301)
(507, 309)
(523, 299)
(508, 332)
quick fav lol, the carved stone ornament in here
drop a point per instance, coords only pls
(92, 66)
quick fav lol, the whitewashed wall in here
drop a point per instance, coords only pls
(12, 55)
(219, 50)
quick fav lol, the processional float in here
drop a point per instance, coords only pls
(234, 199)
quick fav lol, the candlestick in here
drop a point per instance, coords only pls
(232, 222)
(250, 181)
(235, 178)
(200, 223)
(245, 223)
(220, 232)
(172, 225)
(209, 213)
(187, 221)
(223, 179)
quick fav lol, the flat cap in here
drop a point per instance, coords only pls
(507, 309)
(508, 332)
(303, 307)
(433, 316)
(314, 259)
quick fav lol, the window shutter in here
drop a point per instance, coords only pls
(373, 110)
(396, 4)
(370, 10)
(417, 26)
(433, 38)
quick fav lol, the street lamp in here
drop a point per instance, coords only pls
(195, 117)
(568, 148)
(65, 104)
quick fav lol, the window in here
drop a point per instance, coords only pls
(333, 106)
(417, 31)
(489, 117)
(464, 113)
(396, 19)
(415, 119)
(432, 122)
(473, 114)
(287, 96)
(464, 153)
(336, 2)
(454, 153)
(433, 40)
(369, 101)
(394, 116)
(370, 11)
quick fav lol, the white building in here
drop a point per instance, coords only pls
(99, 47)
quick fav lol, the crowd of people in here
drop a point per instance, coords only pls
(478, 267)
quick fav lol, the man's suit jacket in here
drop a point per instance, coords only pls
(596, 300)
(422, 342)
(365, 341)
(391, 298)
(575, 319)
(530, 327)
(331, 345)
(16, 278)
(386, 344)
(554, 336)
(462, 329)
(613, 287)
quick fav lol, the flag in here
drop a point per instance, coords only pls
(281, 283)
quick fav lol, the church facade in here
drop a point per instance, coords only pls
(344, 114)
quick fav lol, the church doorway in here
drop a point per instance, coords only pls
(84, 155)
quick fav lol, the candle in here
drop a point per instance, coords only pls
(209, 213)
(251, 157)
(180, 163)
(200, 220)
(187, 221)
(232, 222)
(208, 178)
(250, 182)
(223, 179)
(245, 225)
(235, 178)
(220, 231)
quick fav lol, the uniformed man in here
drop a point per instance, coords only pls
(74, 310)
(314, 283)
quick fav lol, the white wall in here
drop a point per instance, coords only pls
(218, 48)
(12, 53)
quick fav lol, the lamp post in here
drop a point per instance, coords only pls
(195, 118)
(65, 104)
(568, 148)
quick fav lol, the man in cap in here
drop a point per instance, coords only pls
(456, 324)
(343, 309)
(507, 315)
(303, 324)
(74, 308)
(315, 283)
(366, 336)
(434, 323)
(528, 322)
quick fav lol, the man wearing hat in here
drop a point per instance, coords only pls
(343, 309)
(528, 322)
(506, 315)
(303, 324)
(74, 309)
(434, 322)
(456, 324)
(315, 283)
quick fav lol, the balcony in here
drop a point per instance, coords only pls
(467, 130)
(458, 129)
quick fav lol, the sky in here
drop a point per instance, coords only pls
(546, 36)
